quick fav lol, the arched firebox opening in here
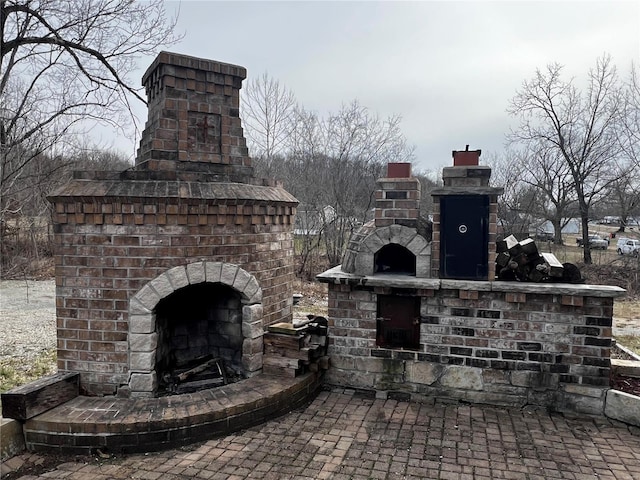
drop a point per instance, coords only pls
(394, 258)
(199, 325)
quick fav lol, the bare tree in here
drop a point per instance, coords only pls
(551, 176)
(579, 126)
(267, 111)
(516, 205)
(624, 193)
(65, 66)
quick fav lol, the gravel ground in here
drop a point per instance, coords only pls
(27, 318)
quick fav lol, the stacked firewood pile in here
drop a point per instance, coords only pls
(521, 261)
(293, 349)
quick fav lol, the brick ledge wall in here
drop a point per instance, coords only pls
(487, 342)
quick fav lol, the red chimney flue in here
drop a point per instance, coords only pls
(466, 157)
(399, 170)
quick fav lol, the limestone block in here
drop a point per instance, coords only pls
(372, 243)
(253, 292)
(522, 378)
(143, 342)
(251, 363)
(162, 285)
(147, 298)
(417, 244)
(143, 382)
(142, 361)
(196, 273)
(213, 271)
(423, 266)
(251, 346)
(228, 273)
(423, 373)
(252, 313)
(373, 365)
(242, 280)
(585, 390)
(364, 264)
(623, 406)
(178, 277)
(583, 404)
(252, 330)
(349, 378)
(142, 323)
(464, 378)
(495, 377)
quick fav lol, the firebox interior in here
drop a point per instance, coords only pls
(198, 321)
(394, 258)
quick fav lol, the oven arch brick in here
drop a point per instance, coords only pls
(362, 258)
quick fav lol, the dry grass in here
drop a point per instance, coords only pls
(16, 371)
(630, 342)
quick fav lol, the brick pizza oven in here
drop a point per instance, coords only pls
(415, 310)
(185, 255)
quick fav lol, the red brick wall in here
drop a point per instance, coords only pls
(107, 249)
(500, 346)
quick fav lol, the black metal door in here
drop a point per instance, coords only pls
(464, 237)
(398, 323)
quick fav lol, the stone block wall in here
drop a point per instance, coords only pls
(109, 247)
(492, 342)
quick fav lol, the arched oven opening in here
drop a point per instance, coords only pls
(394, 258)
(199, 338)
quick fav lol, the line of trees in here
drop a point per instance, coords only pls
(330, 163)
(574, 150)
(65, 67)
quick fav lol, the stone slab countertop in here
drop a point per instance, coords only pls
(337, 276)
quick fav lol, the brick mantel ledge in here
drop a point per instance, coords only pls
(335, 275)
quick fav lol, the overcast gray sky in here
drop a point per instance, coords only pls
(447, 68)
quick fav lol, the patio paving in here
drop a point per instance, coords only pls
(341, 435)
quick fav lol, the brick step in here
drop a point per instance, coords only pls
(85, 425)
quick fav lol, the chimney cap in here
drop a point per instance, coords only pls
(466, 157)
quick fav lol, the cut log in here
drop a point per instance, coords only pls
(286, 341)
(197, 385)
(281, 362)
(555, 267)
(528, 246)
(286, 328)
(200, 368)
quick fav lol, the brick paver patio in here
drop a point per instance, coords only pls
(344, 436)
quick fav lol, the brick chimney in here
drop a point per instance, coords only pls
(194, 118)
(464, 220)
(397, 197)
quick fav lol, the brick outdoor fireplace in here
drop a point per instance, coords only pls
(415, 310)
(182, 257)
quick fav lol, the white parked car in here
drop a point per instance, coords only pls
(628, 246)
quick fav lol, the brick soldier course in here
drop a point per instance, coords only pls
(343, 436)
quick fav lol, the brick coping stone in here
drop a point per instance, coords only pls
(85, 425)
